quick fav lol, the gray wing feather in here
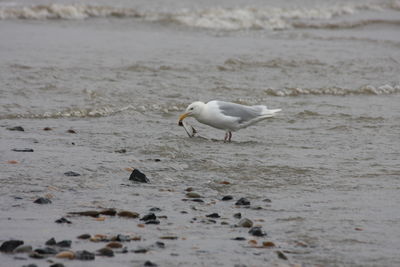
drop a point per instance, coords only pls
(243, 113)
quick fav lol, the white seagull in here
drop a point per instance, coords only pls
(227, 116)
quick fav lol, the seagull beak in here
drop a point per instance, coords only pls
(183, 116)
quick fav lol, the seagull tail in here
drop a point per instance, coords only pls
(270, 112)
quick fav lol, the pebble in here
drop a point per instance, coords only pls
(193, 195)
(23, 249)
(138, 176)
(16, 128)
(268, 244)
(66, 255)
(140, 250)
(47, 129)
(155, 209)
(198, 200)
(237, 215)
(36, 255)
(257, 231)
(245, 223)
(71, 173)
(10, 245)
(108, 212)
(239, 238)
(30, 265)
(169, 237)
(189, 189)
(105, 252)
(227, 198)
(46, 251)
(123, 150)
(150, 264)
(22, 149)
(160, 244)
(64, 244)
(71, 131)
(152, 222)
(42, 200)
(128, 214)
(123, 238)
(57, 265)
(84, 255)
(213, 215)
(114, 245)
(281, 255)
(51, 242)
(62, 220)
(224, 223)
(91, 213)
(267, 200)
(84, 236)
(242, 201)
(149, 217)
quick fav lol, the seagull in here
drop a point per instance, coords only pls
(227, 116)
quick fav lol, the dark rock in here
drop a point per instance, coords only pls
(184, 212)
(64, 244)
(42, 200)
(160, 244)
(239, 238)
(281, 255)
(46, 251)
(22, 149)
(36, 255)
(193, 195)
(245, 223)
(23, 249)
(108, 252)
(108, 212)
(155, 209)
(197, 200)
(123, 150)
(57, 265)
(84, 255)
(91, 213)
(189, 189)
(213, 215)
(123, 238)
(152, 222)
(149, 217)
(242, 201)
(128, 214)
(30, 265)
(138, 176)
(257, 231)
(51, 242)
(47, 129)
(10, 245)
(16, 128)
(71, 173)
(227, 198)
(150, 264)
(84, 236)
(157, 160)
(71, 131)
(114, 244)
(140, 250)
(267, 200)
(62, 220)
(237, 215)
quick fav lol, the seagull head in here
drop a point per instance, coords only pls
(193, 110)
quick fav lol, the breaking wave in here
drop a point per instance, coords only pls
(274, 18)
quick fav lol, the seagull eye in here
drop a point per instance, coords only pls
(191, 109)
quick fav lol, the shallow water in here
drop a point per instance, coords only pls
(120, 74)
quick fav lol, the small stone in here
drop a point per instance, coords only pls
(108, 212)
(227, 198)
(36, 255)
(51, 242)
(122, 150)
(71, 173)
(114, 245)
(169, 237)
(268, 244)
(138, 176)
(71, 131)
(29, 265)
(267, 200)
(245, 223)
(224, 223)
(155, 209)
(213, 215)
(242, 201)
(42, 200)
(152, 222)
(57, 265)
(198, 200)
(63, 220)
(12, 162)
(148, 217)
(64, 244)
(47, 129)
(10, 245)
(237, 215)
(46, 251)
(224, 182)
(105, 252)
(150, 264)
(91, 213)
(239, 238)
(160, 244)
(193, 195)
(252, 242)
(22, 149)
(122, 238)
(140, 250)
(16, 128)
(84, 255)
(66, 255)
(23, 249)
(128, 214)
(189, 189)
(257, 231)
(157, 160)
(84, 236)
(281, 255)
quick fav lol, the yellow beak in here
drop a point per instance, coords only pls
(181, 117)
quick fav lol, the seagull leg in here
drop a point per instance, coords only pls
(226, 137)
(230, 136)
